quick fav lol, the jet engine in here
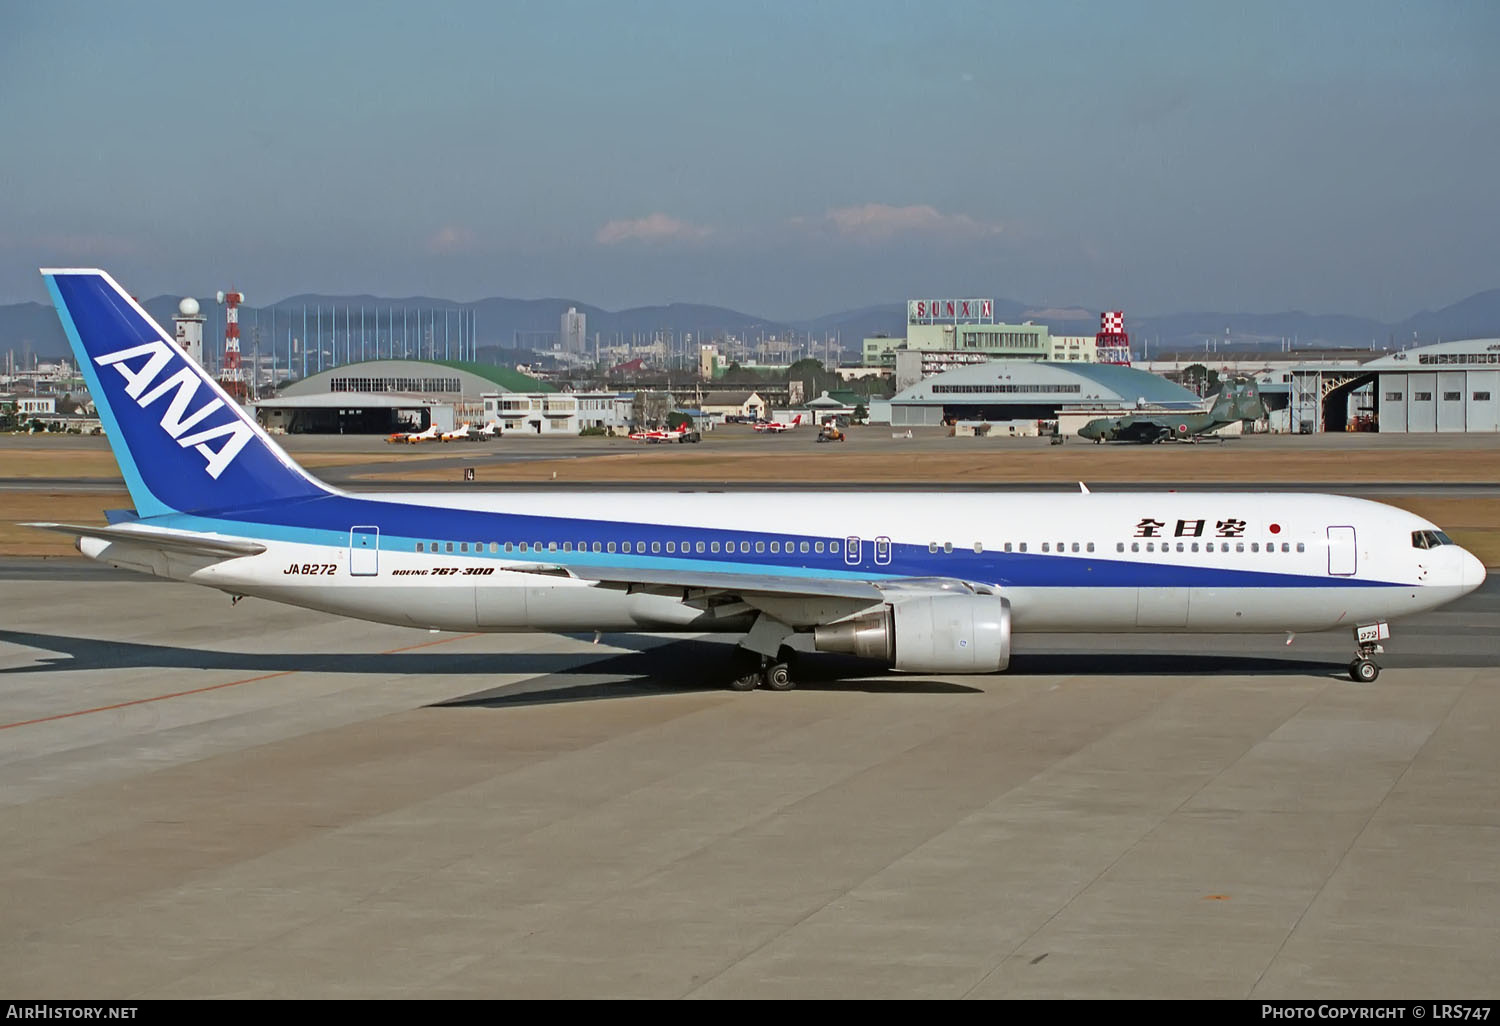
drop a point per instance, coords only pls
(928, 633)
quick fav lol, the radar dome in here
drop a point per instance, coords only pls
(188, 307)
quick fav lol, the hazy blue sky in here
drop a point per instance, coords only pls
(786, 159)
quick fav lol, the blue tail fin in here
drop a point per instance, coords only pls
(182, 443)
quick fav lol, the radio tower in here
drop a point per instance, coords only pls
(1112, 344)
(231, 377)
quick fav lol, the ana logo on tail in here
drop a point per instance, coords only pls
(156, 356)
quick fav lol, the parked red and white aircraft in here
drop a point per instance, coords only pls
(778, 425)
(462, 433)
(414, 437)
(490, 430)
(676, 434)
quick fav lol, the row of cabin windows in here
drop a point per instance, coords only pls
(1120, 547)
(1014, 547)
(818, 547)
(1239, 546)
(671, 547)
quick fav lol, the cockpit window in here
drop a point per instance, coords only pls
(1429, 539)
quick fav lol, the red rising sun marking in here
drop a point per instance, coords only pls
(1275, 528)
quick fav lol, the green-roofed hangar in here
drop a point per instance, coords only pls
(1025, 391)
(381, 396)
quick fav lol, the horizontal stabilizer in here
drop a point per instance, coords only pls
(161, 538)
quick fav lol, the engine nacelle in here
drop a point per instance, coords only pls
(928, 634)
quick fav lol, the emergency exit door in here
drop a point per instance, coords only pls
(1343, 558)
(364, 551)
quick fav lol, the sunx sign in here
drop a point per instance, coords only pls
(144, 368)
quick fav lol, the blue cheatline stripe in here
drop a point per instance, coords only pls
(326, 521)
(146, 503)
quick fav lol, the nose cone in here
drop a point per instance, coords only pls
(1473, 571)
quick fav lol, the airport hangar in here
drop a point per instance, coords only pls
(1449, 387)
(382, 396)
(1025, 392)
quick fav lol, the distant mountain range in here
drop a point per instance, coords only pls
(509, 324)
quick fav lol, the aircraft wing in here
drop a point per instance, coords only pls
(161, 538)
(798, 601)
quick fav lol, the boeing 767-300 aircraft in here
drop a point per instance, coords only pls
(933, 582)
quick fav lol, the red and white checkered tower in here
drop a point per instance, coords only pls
(231, 376)
(1112, 343)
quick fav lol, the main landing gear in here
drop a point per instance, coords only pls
(758, 671)
(1367, 639)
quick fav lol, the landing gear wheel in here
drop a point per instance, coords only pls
(778, 677)
(1363, 671)
(749, 682)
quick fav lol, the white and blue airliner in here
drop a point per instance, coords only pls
(934, 582)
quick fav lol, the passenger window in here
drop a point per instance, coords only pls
(655, 547)
(552, 546)
(1179, 547)
(419, 546)
(1301, 547)
(1151, 546)
(932, 546)
(1285, 547)
(671, 547)
(947, 546)
(567, 546)
(744, 546)
(776, 546)
(1208, 546)
(698, 546)
(1255, 546)
(802, 546)
(595, 546)
(1135, 546)
(1075, 546)
(1195, 546)
(1023, 546)
(833, 547)
(448, 547)
(524, 547)
(509, 547)
(978, 547)
(713, 546)
(1007, 546)
(1239, 546)
(760, 547)
(494, 546)
(817, 547)
(610, 547)
(1119, 546)
(1089, 547)
(1045, 547)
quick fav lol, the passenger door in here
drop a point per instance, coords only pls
(1343, 558)
(364, 551)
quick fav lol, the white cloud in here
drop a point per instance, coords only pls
(656, 227)
(878, 221)
(450, 239)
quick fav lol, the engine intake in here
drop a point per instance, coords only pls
(928, 634)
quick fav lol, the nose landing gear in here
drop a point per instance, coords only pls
(1367, 639)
